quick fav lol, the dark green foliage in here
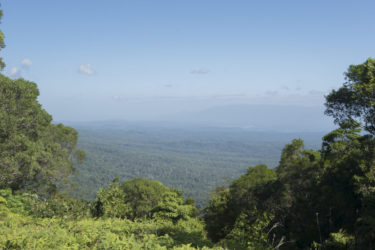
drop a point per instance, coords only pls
(142, 196)
(323, 188)
(323, 198)
(318, 197)
(34, 154)
(232, 217)
(218, 216)
(250, 231)
(242, 189)
(351, 169)
(356, 98)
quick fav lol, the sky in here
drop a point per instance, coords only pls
(139, 60)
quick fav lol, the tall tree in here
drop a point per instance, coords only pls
(34, 153)
(356, 98)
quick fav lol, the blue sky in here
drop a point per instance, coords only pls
(98, 60)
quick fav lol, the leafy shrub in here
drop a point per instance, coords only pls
(61, 206)
(47, 228)
(141, 198)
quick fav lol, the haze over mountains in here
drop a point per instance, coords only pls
(191, 158)
(260, 117)
(193, 151)
(245, 116)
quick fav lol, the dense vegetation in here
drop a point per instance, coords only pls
(27, 222)
(323, 199)
(34, 153)
(195, 160)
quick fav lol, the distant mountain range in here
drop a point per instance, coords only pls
(250, 117)
(260, 117)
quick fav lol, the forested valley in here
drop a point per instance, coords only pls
(195, 160)
(155, 188)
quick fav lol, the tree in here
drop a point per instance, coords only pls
(244, 190)
(34, 153)
(356, 98)
(352, 156)
(218, 216)
(143, 195)
(142, 198)
(172, 207)
(292, 198)
(111, 202)
(227, 205)
(347, 185)
(251, 231)
(314, 199)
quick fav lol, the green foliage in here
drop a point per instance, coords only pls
(217, 214)
(111, 202)
(141, 198)
(20, 231)
(18, 203)
(34, 154)
(356, 98)
(325, 196)
(62, 206)
(311, 195)
(227, 205)
(340, 240)
(58, 205)
(242, 190)
(172, 207)
(250, 231)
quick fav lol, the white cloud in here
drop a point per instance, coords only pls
(201, 71)
(86, 69)
(26, 63)
(14, 72)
